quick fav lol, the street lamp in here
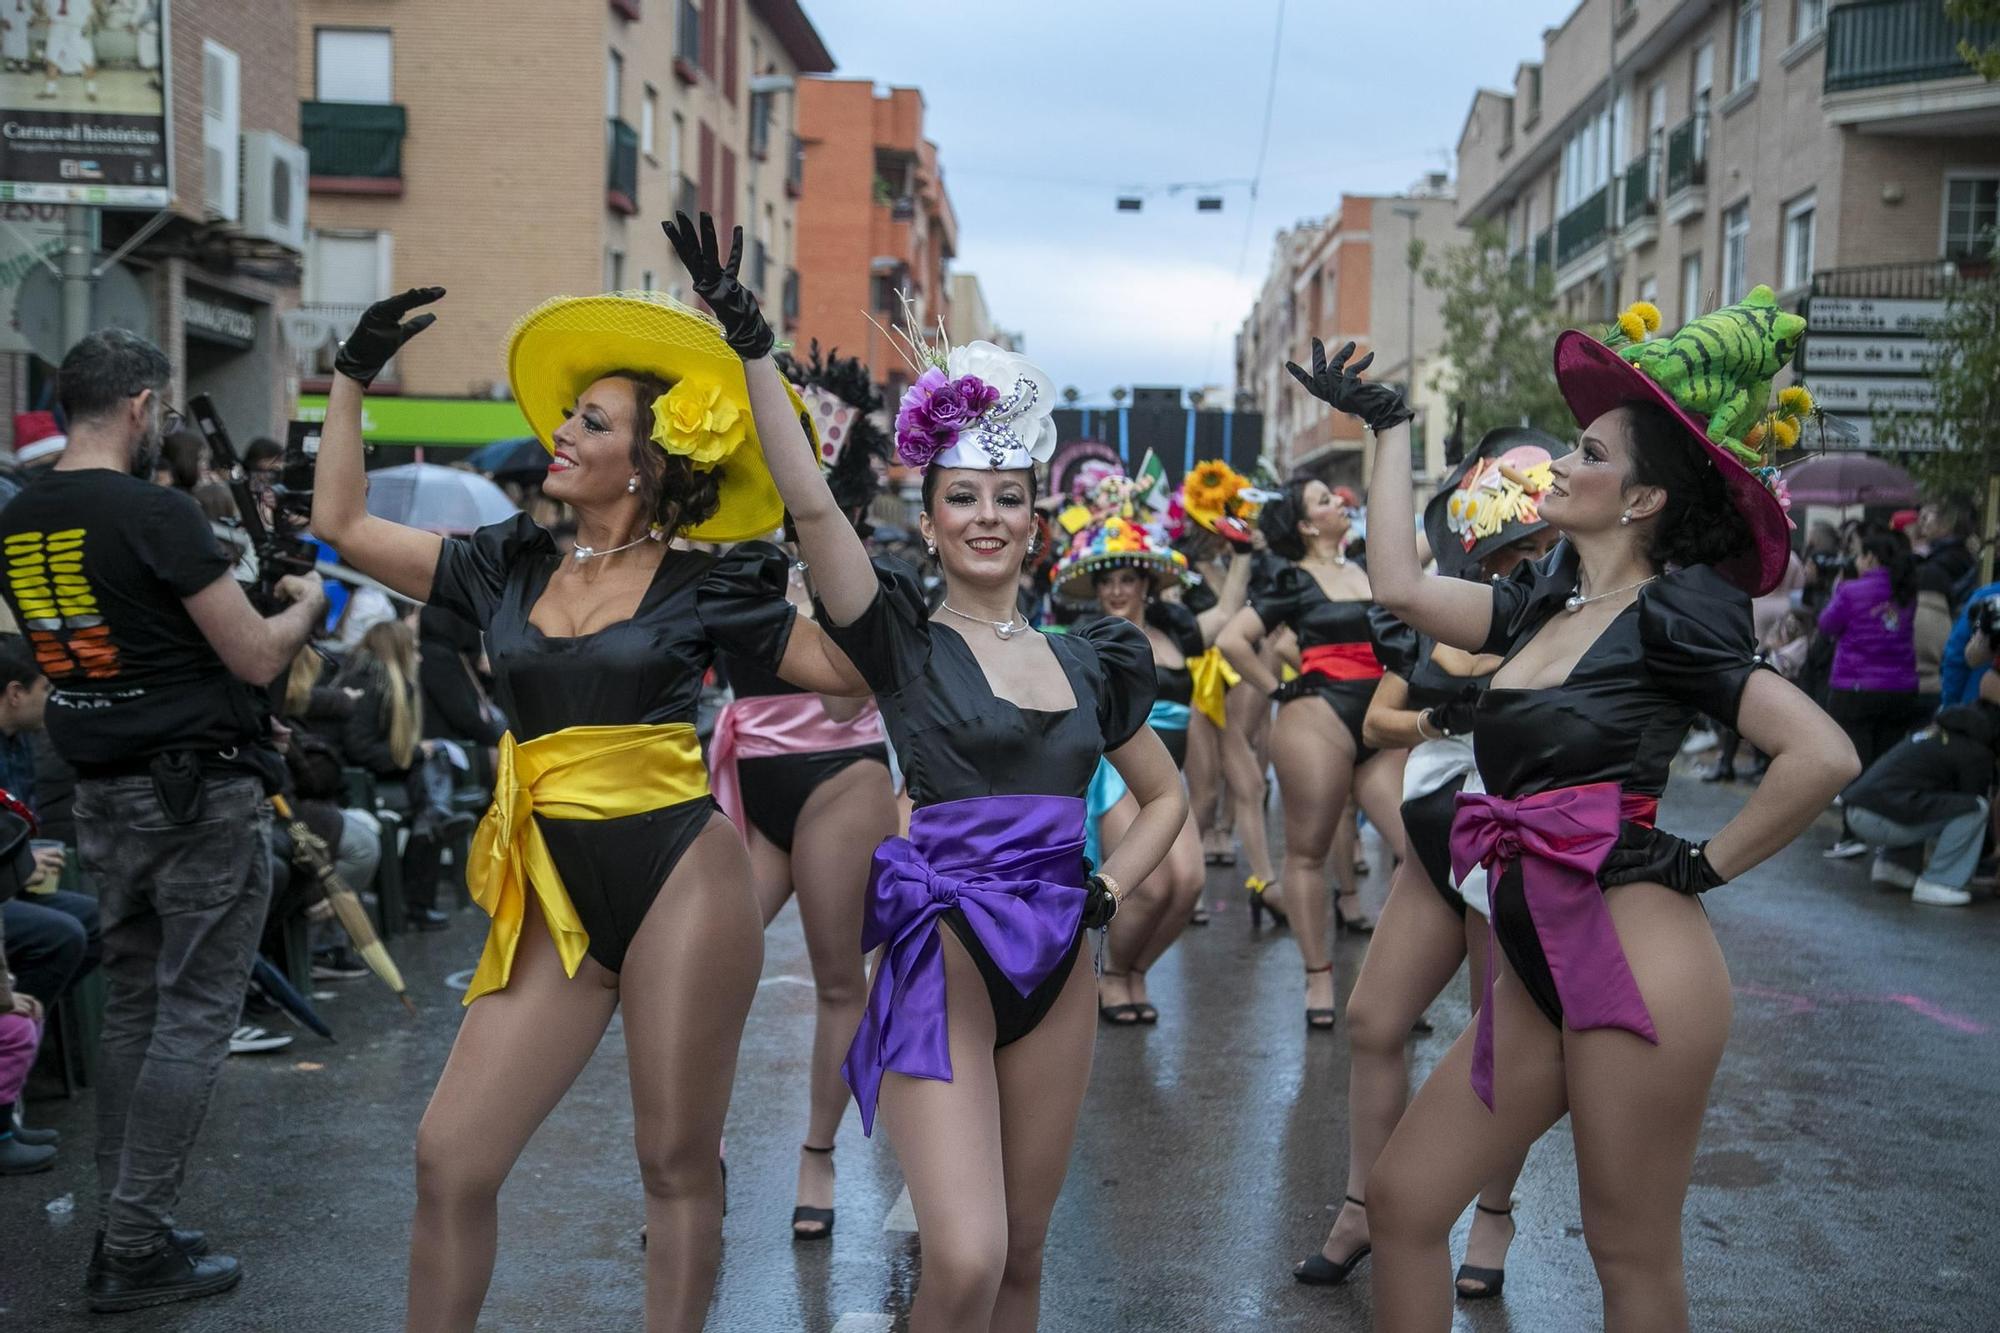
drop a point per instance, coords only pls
(1410, 213)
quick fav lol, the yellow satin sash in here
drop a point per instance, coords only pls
(1213, 679)
(575, 773)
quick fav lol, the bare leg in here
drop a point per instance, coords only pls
(843, 821)
(1184, 873)
(1447, 1147)
(689, 978)
(1144, 905)
(1204, 783)
(947, 1141)
(1378, 790)
(1314, 756)
(1416, 949)
(1492, 1235)
(1243, 775)
(1637, 1108)
(770, 875)
(516, 1054)
(1042, 1079)
(1346, 845)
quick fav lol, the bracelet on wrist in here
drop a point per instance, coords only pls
(1423, 722)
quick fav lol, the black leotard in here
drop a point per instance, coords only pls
(955, 740)
(1294, 597)
(1686, 647)
(644, 670)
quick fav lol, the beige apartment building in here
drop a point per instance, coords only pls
(513, 150)
(1684, 152)
(1348, 278)
(969, 319)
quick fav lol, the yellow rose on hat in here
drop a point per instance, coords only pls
(698, 421)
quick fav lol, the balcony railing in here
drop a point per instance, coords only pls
(621, 167)
(1545, 248)
(1582, 227)
(791, 302)
(795, 168)
(361, 140)
(1879, 42)
(1687, 155)
(687, 197)
(1641, 189)
(342, 316)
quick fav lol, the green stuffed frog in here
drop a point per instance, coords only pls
(1721, 364)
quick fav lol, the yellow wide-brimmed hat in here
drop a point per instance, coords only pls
(557, 349)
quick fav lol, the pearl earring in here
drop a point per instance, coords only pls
(1625, 518)
(930, 548)
(631, 486)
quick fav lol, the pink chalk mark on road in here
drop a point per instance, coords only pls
(1795, 1004)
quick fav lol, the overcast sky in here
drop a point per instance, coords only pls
(1043, 110)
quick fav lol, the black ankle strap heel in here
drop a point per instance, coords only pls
(1317, 1270)
(1489, 1280)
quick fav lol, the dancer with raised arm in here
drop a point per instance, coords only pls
(1608, 1000)
(1483, 522)
(608, 873)
(805, 778)
(976, 1044)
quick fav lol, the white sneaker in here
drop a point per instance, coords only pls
(252, 1040)
(1885, 871)
(1933, 894)
(1846, 850)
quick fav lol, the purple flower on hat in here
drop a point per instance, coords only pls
(935, 410)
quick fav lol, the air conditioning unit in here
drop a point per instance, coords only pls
(274, 189)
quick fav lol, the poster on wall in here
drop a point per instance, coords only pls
(32, 238)
(83, 102)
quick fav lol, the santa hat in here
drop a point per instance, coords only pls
(36, 436)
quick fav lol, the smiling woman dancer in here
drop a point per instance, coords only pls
(1317, 747)
(1482, 523)
(608, 873)
(1121, 565)
(977, 1038)
(1609, 1000)
(805, 777)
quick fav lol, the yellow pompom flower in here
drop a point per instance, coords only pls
(698, 421)
(1795, 401)
(1787, 431)
(1648, 313)
(1632, 326)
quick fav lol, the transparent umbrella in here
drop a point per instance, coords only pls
(437, 499)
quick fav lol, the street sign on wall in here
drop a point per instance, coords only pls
(83, 104)
(1866, 358)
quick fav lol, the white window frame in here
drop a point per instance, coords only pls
(1736, 252)
(1690, 286)
(1796, 270)
(649, 117)
(676, 148)
(1649, 289)
(1808, 19)
(388, 79)
(1944, 199)
(221, 130)
(614, 86)
(614, 269)
(1746, 45)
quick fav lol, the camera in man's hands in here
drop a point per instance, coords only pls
(1984, 616)
(274, 536)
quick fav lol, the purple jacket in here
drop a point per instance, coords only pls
(1875, 639)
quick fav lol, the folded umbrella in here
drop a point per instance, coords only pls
(346, 905)
(275, 985)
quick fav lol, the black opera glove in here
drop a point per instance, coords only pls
(1650, 856)
(1341, 387)
(743, 325)
(382, 333)
(1454, 718)
(1100, 904)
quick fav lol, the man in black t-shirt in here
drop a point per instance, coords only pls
(157, 662)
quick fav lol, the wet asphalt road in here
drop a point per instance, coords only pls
(1847, 1178)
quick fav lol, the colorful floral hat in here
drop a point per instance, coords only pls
(1117, 542)
(1492, 500)
(977, 406)
(557, 349)
(1714, 376)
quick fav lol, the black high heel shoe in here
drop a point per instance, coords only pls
(1490, 1280)
(1343, 924)
(808, 1216)
(1319, 1271)
(1148, 1015)
(1117, 1015)
(1257, 892)
(1319, 1020)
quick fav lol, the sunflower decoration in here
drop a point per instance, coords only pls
(1209, 489)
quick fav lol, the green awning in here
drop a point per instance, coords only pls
(464, 423)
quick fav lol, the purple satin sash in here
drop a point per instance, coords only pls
(1560, 839)
(1014, 866)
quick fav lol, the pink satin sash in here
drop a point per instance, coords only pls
(1560, 839)
(776, 724)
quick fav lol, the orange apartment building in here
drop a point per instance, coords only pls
(513, 150)
(876, 221)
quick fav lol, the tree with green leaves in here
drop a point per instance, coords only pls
(1500, 324)
(1965, 379)
(1985, 59)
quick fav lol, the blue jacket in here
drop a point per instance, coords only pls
(1959, 683)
